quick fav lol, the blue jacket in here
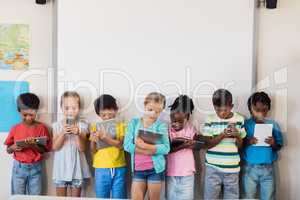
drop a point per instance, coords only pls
(162, 148)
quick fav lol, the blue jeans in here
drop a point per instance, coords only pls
(214, 179)
(75, 183)
(110, 183)
(262, 176)
(26, 178)
(149, 176)
(180, 187)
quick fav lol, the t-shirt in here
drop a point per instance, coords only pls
(225, 155)
(111, 157)
(69, 163)
(261, 154)
(182, 162)
(22, 132)
(143, 162)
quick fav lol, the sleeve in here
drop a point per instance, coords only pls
(207, 131)
(163, 148)
(10, 138)
(45, 132)
(121, 130)
(129, 145)
(277, 134)
(242, 130)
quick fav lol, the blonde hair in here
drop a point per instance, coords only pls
(67, 94)
(155, 97)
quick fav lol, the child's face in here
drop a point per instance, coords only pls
(70, 107)
(28, 116)
(107, 114)
(153, 110)
(259, 111)
(178, 120)
(224, 112)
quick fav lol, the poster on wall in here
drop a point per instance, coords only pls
(14, 46)
(9, 92)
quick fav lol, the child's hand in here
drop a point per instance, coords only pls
(189, 143)
(252, 140)
(101, 135)
(140, 143)
(15, 148)
(270, 141)
(67, 129)
(94, 137)
(74, 129)
(30, 141)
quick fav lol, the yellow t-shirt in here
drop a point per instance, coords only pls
(111, 157)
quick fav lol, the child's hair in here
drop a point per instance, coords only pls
(183, 104)
(67, 94)
(104, 102)
(28, 101)
(261, 97)
(222, 97)
(155, 97)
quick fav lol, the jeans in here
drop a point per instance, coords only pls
(110, 183)
(180, 187)
(149, 176)
(75, 183)
(215, 179)
(262, 176)
(26, 178)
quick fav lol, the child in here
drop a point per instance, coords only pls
(148, 160)
(70, 167)
(226, 131)
(259, 169)
(181, 162)
(109, 162)
(27, 167)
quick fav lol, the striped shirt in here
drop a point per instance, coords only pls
(224, 156)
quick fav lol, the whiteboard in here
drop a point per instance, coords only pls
(129, 48)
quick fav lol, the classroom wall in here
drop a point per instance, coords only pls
(39, 19)
(278, 70)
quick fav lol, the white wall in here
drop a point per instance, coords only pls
(278, 72)
(39, 19)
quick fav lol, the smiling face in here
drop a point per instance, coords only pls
(259, 111)
(28, 116)
(178, 120)
(70, 107)
(153, 110)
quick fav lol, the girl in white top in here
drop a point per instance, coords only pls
(69, 142)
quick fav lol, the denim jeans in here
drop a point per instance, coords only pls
(26, 178)
(262, 176)
(110, 183)
(180, 187)
(215, 179)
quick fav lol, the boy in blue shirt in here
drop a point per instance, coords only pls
(259, 160)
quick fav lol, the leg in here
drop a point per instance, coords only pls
(171, 188)
(35, 180)
(18, 180)
(119, 183)
(267, 183)
(231, 186)
(250, 180)
(154, 190)
(138, 190)
(61, 191)
(76, 186)
(213, 182)
(186, 188)
(103, 182)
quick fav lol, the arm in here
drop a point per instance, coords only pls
(13, 148)
(164, 148)
(129, 145)
(58, 140)
(187, 144)
(214, 141)
(144, 151)
(116, 143)
(81, 141)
